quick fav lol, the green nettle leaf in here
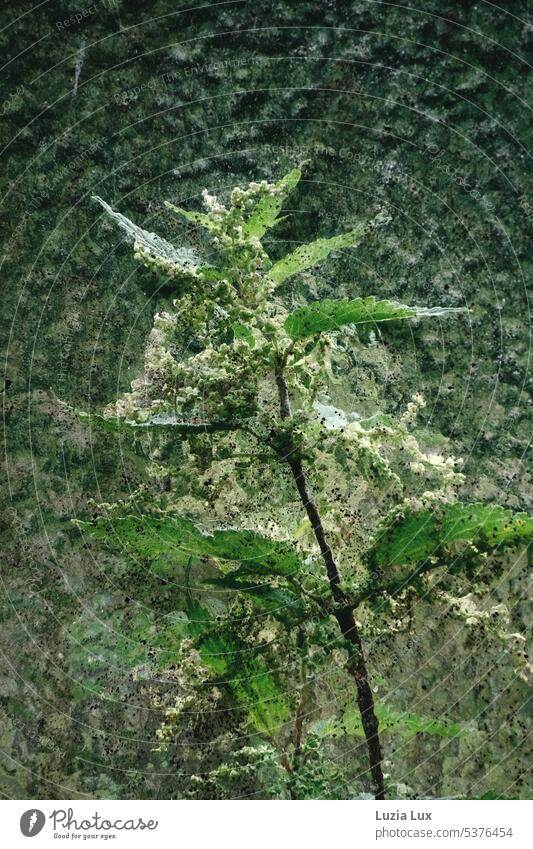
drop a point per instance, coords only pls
(96, 421)
(218, 650)
(390, 719)
(327, 315)
(259, 691)
(168, 536)
(161, 421)
(199, 619)
(151, 243)
(266, 211)
(168, 420)
(377, 420)
(280, 602)
(241, 332)
(195, 217)
(408, 723)
(214, 275)
(415, 536)
(307, 255)
(223, 653)
(402, 722)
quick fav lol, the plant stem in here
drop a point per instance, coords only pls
(344, 616)
(300, 710)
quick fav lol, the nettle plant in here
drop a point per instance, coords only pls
(296, 529)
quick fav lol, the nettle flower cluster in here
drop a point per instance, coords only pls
(208, 362)
(206, 359)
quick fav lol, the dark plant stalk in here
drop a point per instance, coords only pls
(343, 614)
(300, 710)
(300, 715)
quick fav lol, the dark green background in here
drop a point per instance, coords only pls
(415, 108)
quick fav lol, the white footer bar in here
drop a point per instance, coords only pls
(266, 825)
